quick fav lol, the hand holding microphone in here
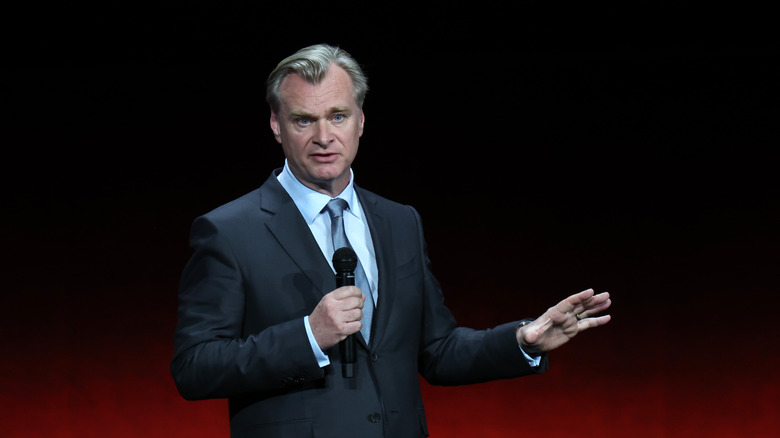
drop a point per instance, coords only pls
(338, 315)
(344, 262)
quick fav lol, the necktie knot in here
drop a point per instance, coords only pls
(336, 207)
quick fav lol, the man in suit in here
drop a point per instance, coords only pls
(263, 323)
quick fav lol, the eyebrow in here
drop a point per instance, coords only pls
(308, 115)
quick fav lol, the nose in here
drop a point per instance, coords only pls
(323, 135)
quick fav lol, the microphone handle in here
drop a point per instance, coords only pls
(347, 346)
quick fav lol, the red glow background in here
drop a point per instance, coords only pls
(629, 160)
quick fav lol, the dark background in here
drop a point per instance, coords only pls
(628, 148)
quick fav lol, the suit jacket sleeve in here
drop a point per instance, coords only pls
(214, 357)
(452, 355)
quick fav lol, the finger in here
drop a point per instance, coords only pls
(585, 324)
(592, 305)
(346, 292)
(597, 307)
(351, 304)
(595, 300)
(349, 328)
(353, 315)
(349, 320)
(574, 302)
(593, 308)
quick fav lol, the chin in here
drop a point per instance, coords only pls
(331, 172)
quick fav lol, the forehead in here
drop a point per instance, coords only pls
(334, 90)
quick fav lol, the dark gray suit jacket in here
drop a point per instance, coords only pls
(257, 271)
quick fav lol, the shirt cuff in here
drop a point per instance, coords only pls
(533, 361)
(322, 359)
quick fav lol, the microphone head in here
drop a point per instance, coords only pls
(345, 260)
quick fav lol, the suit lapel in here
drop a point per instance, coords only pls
(382, 237)
(294, 236)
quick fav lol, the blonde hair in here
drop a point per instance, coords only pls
(312, 64)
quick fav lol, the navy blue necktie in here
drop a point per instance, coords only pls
(336, 209)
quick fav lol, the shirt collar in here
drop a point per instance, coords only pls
(310, 202)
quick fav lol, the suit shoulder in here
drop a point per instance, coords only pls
(241, 207)
(400, 215)
(382, 202)
(260, 202)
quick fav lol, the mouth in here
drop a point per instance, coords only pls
(323, 157)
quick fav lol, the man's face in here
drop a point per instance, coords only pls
(319, 127)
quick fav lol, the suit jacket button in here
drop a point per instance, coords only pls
(374, 357)
(374, 417)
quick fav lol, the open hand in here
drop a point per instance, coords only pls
(564, 321)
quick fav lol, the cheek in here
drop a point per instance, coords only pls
(289, 147)
(292, 142)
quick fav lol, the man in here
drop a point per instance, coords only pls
(261, 321)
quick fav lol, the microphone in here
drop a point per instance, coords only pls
(344, 262)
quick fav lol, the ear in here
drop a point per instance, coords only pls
(275, 127)
(362, 121)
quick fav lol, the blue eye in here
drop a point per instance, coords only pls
(303, 121)
(338, 118)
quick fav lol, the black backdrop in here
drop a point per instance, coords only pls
(625, 148)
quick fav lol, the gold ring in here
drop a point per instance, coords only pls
(579, 316)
